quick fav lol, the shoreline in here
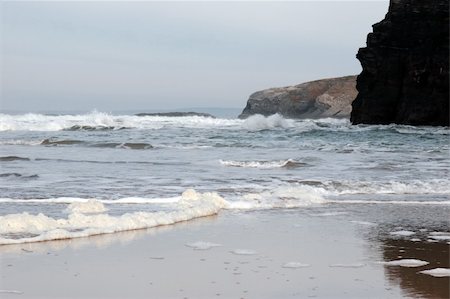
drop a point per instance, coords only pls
(326, 252)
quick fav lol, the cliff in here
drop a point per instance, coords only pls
(405, 77)
(316, 99)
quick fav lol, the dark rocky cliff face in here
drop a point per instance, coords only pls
(315, 99)
(405, 77)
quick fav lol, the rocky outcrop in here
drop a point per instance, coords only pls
(405, 77)
(316, 99)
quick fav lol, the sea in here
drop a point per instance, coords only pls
(67, 176)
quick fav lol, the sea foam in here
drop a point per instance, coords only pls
(263, 164)
(281, 197)
(104, 121)
(409, 263)
(437, 272)
(345, 187)
(259, 122)
(91, 206)
(24, 227)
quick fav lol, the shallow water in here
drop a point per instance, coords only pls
(133, 165)
(324, 251)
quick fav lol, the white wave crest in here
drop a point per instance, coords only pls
(297, 195)
(25, 228)
(20, 141)
(261, 164)
(39, 122)
(259, 122)
(88, 207)
(282, 197)
(99, 120)
(347, 187)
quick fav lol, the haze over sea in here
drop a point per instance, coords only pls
(65, 176)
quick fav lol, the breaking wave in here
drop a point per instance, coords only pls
(87, 219)
(347, 187)
(98, 121)
(259, 122)
(289, 163)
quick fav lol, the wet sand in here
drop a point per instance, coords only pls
(324, 252)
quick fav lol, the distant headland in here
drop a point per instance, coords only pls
(405, 76)
(316, 99)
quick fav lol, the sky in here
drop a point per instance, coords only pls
(118, 56)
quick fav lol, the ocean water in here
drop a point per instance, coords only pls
(67, 176)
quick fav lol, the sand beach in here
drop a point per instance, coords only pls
(313, 252)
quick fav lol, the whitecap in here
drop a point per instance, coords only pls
(90, 206)
(100, 121)
(260, 122)
(262, 164)
(281, 197)
(26, 228)
(20, 142)
(437, 272)
(409, 263)
(345, 187)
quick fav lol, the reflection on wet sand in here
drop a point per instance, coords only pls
(413, 283)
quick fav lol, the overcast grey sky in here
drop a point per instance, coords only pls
(166, 55)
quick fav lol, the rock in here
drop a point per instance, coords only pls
(405, 77)
(315, 99)
(176, 114)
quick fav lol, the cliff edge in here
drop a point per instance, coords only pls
(315, 99)
(405, 77)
